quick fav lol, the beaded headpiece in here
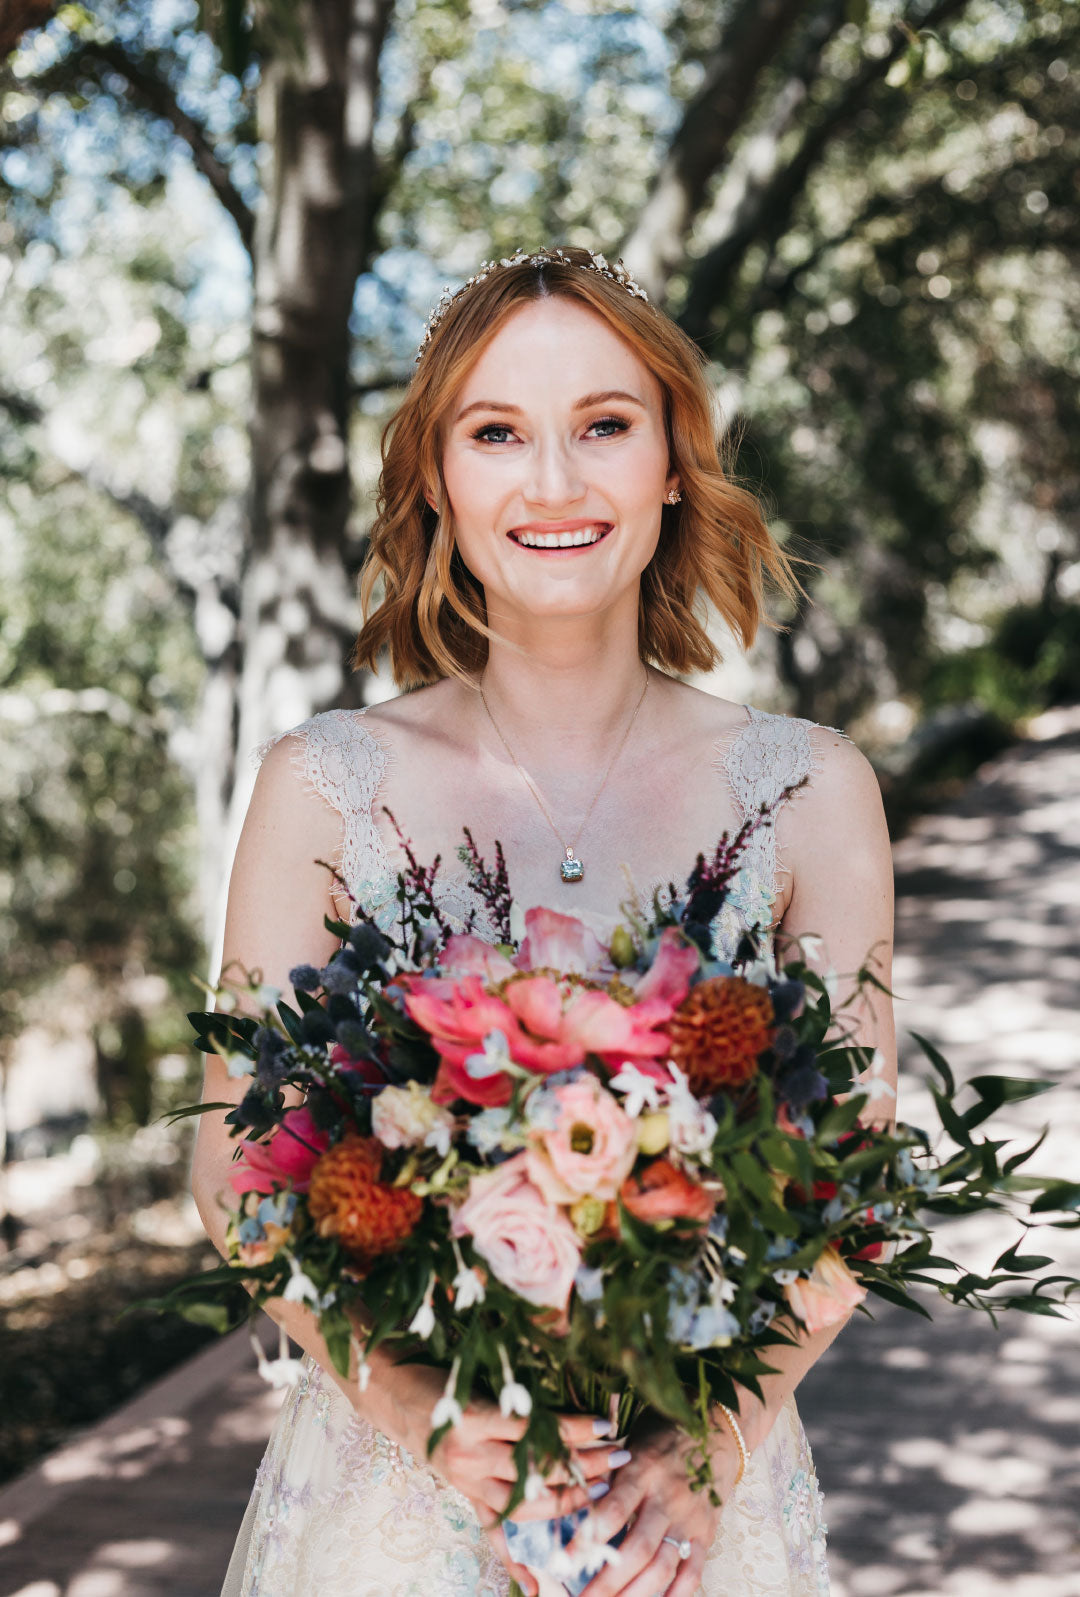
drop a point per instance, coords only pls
(595, 263)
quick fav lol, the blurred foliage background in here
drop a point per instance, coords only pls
(223, 228)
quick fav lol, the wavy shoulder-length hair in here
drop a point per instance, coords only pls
(418, 598)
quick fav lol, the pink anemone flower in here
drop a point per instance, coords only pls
(285, 1158)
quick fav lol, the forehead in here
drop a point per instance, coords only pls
(556, 345)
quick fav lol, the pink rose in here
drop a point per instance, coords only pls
(531, 1247)
(828, 1295)
(466, 955)
(590, 1150)
(286, 1157)
(561, 942)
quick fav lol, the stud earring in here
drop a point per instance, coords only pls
(673, 496)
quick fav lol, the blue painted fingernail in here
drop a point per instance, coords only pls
(619, 1457)
(599, 1489)
(602, 1427)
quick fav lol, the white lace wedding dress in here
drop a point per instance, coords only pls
(338, 1509)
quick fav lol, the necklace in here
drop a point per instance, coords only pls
(570, 869)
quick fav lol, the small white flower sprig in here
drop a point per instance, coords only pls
(596, 263)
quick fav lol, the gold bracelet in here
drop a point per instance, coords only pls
(740, 1440)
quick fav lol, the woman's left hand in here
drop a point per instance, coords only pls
(654, 1487)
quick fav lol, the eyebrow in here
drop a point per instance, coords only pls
(582, 404)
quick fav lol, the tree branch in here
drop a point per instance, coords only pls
(766, 215)
(19, 17)
(151, 89)
(751, 40)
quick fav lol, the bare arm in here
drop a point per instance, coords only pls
(278, 898)
(836, 837)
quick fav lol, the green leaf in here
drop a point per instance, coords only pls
(336, 1331)
(1017, 1159)
(215, 1315)
(1057, 1195)
(940, 1064)
(896, 1294)
(994, 1091)
(173, 1115)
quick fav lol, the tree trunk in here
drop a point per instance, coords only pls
(313, 237)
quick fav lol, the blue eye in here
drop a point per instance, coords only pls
(619, 423)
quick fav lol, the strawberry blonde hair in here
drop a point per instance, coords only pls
(714, 548)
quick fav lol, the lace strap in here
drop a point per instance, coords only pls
(764, 756)
(341, 759)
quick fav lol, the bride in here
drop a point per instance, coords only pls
(552, 511)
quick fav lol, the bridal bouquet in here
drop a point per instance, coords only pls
(585, 1176)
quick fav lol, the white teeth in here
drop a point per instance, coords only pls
(560, 540)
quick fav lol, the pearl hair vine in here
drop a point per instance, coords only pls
(595, 263)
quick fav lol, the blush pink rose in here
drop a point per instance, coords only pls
(561, 942)
(286, 1157)
(829, 1294)
(530, 1246)
(589, 1151)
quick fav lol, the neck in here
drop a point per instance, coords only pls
(566, 699)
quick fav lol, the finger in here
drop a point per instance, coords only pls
(500, 1427)
(552, 1504)
(584, 1430)
(517, 1572)
(688, 1580)
(593, 1464)
(607, 1517)
(643, 1555)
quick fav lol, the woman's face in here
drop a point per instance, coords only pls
(557, 430)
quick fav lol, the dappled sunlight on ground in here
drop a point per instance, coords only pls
(949, 1452)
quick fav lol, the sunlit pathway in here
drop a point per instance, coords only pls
(949, 1452)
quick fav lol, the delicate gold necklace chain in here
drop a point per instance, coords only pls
(571, 868)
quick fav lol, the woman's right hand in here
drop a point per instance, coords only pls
(476, 1456)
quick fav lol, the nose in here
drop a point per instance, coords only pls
(553, 478)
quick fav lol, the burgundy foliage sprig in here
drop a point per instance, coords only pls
(491, 887)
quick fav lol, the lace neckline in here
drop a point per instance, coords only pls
(453, 887)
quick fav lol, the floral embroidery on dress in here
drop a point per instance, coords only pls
(339, 1509)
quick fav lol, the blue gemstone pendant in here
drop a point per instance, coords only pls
(571, 869)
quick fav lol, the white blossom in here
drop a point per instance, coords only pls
(692, 1127)
(423, 1321)
(301, 1288)
(494, 1058)
(448, 1410)
(468, 1283)
(514, 1398)
(639, 1090)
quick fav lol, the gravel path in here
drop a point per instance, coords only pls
(949, 1452)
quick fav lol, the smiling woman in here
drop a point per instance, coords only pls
(552, 511)
(490, 408)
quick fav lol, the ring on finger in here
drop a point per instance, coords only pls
(681, 1545)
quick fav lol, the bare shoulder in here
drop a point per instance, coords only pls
(285, 803)
(843, 781)
(423, 716)
(836, 827)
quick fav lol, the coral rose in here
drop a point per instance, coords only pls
(662, 1192)
(530, 1246)
(285, 1158)
(348, 1201)
(717, 1034)
(591, 1148)
(828, 1295)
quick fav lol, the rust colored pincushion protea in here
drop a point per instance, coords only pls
(719, 1030)
(347, 1200)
